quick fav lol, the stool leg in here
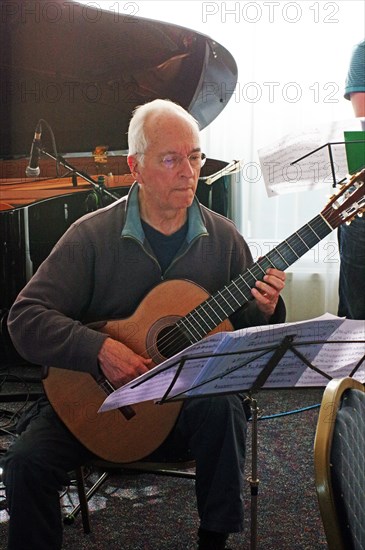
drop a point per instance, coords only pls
(84, 507)
(84, 497)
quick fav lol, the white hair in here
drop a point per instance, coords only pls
(137, 141)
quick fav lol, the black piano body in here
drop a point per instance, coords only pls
(83, 70)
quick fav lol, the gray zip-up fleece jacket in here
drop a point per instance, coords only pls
(103, 267)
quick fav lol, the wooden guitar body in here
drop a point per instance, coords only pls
(77, 396)
(172, 316)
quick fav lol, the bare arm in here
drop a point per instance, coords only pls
(358, 103)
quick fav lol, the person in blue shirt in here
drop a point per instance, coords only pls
(352, 237)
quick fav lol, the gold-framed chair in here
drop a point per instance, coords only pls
(339, 463)
(180, 468)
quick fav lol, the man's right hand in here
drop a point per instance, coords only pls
(120, 364)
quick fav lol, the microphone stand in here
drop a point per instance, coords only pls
(99, 187)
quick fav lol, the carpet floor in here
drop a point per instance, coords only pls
(139, 511)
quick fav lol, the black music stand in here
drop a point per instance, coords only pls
(330, 154)
(262, 356)
(277, 353)
(272, 363)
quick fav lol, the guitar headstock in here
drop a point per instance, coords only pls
(348, 202)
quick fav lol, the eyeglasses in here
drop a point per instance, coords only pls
(171, 161)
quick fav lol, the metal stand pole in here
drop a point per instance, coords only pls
(99, 188)
(253, 480)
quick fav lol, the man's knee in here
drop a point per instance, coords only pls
(22, 468)
(233, 405)
(17, 464)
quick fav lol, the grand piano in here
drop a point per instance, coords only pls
(77, 72)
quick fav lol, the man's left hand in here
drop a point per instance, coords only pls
(266, 292)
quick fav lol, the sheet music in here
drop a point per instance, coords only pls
(246, 352)
(161, 376)
(313, 172)
(340, 358)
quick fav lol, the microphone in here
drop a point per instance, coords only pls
(33, 169)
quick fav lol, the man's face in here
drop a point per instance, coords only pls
(167, 186)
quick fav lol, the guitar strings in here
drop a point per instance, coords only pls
(328, 220)
(168, 339)
(174, 338)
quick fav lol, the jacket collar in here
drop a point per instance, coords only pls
(133, 227)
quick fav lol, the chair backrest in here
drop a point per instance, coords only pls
(339, 460)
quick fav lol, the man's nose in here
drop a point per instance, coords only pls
(186, 167)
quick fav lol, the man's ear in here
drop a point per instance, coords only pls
(133, 165)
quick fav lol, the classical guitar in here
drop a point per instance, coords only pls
(163, 325)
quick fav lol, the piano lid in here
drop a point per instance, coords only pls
(83, 70)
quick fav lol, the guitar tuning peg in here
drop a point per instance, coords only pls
(350, 220)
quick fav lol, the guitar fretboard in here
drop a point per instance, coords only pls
(218, 307)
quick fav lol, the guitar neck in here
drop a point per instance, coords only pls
(218, 307)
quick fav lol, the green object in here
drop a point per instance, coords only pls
(355, 152)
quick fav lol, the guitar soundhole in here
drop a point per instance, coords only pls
(165, 338)
(170, 341)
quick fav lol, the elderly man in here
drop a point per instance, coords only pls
(102, 268)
